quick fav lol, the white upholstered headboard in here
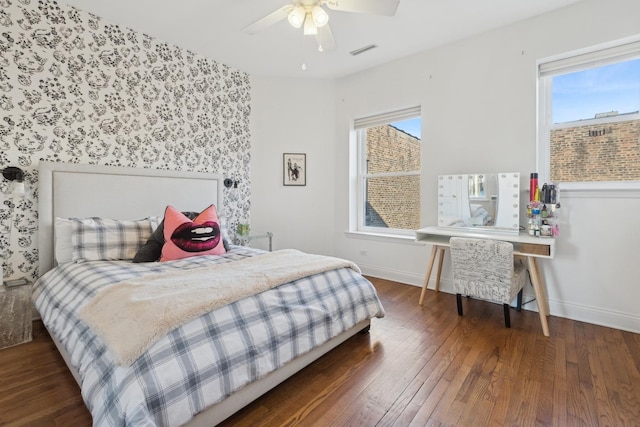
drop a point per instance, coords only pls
(80, 190)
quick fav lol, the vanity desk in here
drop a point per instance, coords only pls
(529, 247)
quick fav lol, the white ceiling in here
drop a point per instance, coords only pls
(214, 28)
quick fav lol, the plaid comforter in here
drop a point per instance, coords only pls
(205, 360)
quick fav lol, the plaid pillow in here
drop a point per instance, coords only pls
(100, 239)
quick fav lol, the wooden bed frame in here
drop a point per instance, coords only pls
(80, 190)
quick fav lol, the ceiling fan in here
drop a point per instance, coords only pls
(313, 18)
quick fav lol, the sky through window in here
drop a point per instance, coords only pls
(583, 94)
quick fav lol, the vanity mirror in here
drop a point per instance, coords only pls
(487, 201)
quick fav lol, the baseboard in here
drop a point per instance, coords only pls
(394, 275)
(595, 315)
(609, 318)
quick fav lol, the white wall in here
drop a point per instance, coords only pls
(479, 114)
(293, 116)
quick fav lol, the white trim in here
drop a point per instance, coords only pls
(399, 276)
(594, 56)
(360, 182)
(388, 117)
(354, 188)
(601, 189)
(384, 237)
(578, 312)
(596, 316)
(384, 231)
(391, 174)
(580, 59)
(543, 149)
(358, 185)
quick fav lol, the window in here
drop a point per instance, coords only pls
(589, 118)
(388, 172)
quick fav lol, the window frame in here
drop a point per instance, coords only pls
(581, 59)
(358, 205)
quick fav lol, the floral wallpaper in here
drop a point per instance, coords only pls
(77, 89)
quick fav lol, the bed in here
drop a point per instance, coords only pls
(202, 370)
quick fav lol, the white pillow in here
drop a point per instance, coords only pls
(103, 239)
(63, 237)
(155, 222)
(63, 248)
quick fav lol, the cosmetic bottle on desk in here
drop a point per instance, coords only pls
(536, 223)
(533, 186)
(545, 212)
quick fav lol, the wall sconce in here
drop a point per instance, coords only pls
(228, 182)
(16, 175)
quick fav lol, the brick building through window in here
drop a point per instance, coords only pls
(605, 148)
(392, 201)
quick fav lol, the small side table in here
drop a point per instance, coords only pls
(246, 240)
(15, 315)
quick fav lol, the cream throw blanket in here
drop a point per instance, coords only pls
(131, 315)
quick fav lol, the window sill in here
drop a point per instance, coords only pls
(383, 237)
(600, 189)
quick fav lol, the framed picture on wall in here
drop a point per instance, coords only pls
(295, 169)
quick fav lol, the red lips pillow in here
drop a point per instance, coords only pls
(184, 238)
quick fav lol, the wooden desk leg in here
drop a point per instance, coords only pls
(434, 250)
(543, 288)
(540, 294)
(439, 272)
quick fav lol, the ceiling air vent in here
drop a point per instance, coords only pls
(363, 49)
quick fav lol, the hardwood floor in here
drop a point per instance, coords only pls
(421, 366)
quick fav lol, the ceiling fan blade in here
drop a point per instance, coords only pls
(267, 21)
(325, 39)
(377, 7)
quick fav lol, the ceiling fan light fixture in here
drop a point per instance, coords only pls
(320, 17)
(297, 17)
(310, 28)
(313, 17)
